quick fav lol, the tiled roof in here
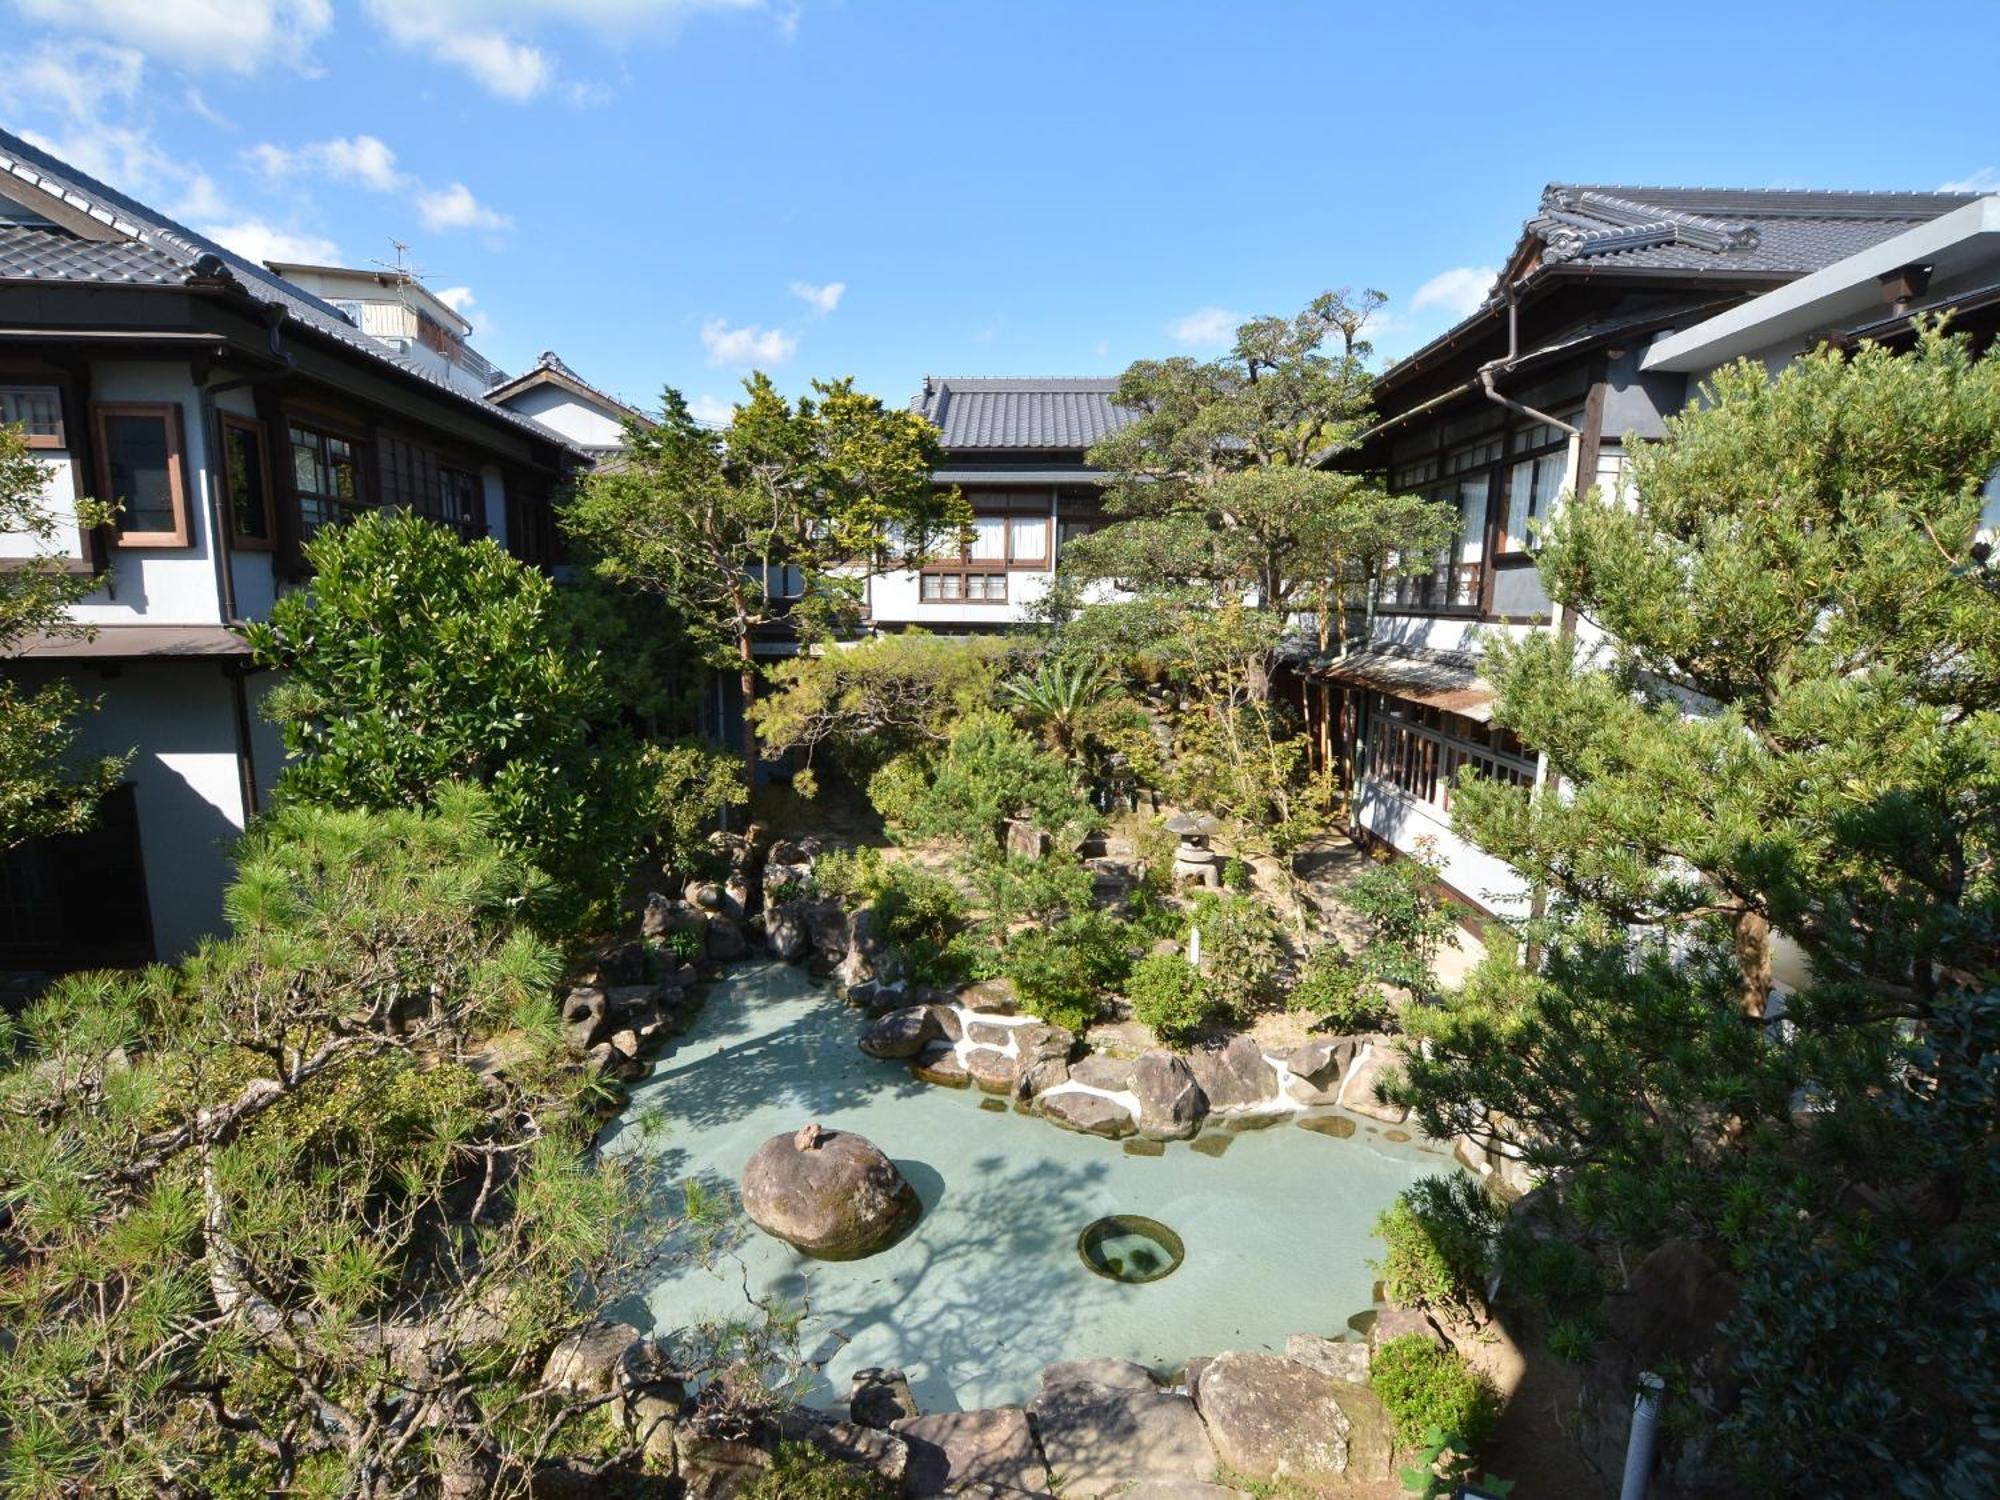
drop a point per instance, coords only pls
(44, 254)
(1029, 414)
(1722, 229)
(552, 365)
(178, 246)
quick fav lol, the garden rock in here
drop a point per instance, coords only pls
(585, 1010)
(1100, 1070)
(1100, 1438)
(1087, 1114)
(1275, 1421)
(1026, 841)
(664, 917)
(725, 939)
(1340, 1358)
(991, 1069)
(1398, 1322)
(1380, 1061)
(883, 1453)
(830, 1193)
(880, 1398)
(902, 1033)
(1171, 1103)
(787, 932)
(994, 996)
(952, 1452)
(1113, 1374)
(1044, 1060)
(939, 1063)
(1318, 1068)
(622, 964)
(590, 1361)
(1234, 1075)
(717, 1467)
(1178, 1489)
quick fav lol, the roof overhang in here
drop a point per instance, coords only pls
(1429, 679)
(1019, 476)
(134, 643)
(1959, 245)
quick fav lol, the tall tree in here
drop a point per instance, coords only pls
(42, 789)
(1793, 727)
(1218, 481)
(781, 516)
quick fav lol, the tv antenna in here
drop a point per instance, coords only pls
(401, 265)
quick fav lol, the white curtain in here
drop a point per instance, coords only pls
(989, 538)
(1031, 539)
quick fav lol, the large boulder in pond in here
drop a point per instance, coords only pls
(1171, 1103)
(830, 1193)
(1278, 1422)
(902, 1033)
(1235, 1075)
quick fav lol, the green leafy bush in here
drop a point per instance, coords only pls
(1168, 995)
(1428, 1388)
(1549, 1271)
(1575, 1340)
(1239, 950)
(921, 913)
(1332, 987)
(1408, 921)
(1439, 1236)
(1052, 979)
(990, 771)
(1236, 874)
(849, 876)
(1014, 889)
(416, 660)
(800, 1471)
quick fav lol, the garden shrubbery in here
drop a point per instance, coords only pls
(1439, 1238)
(1427, 1388)
(1168, 994)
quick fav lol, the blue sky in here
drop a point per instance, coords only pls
(672, 191)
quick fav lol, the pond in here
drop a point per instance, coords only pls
(1273, 1225)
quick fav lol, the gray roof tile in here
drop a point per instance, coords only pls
(1026, 414)
(178, 246)
(42, 254)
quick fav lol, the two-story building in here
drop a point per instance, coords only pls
(232, 412)
(1607, 313)
(1015, 449)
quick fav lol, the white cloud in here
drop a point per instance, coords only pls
(822, 299)
(1985, 180)
(1459, 291)
(253, 239)
(455, 208)
(1206, 328)
(711, 411)
(459, 299)
(197, 103)
(362, 159)
(76, 79)
(493, 40)
(746, 346)
(230, 36)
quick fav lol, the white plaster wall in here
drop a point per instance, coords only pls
(177, 717)
(1405, 823)
(576, 419)
(58, 500)
(895, 600)
(161, 585)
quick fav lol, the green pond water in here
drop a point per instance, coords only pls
(989, 1286)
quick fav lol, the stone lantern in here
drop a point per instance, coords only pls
(1193, 859)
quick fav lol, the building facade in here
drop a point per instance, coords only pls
(1609, 311)
(232, 412)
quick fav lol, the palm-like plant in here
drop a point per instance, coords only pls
(1058, 697)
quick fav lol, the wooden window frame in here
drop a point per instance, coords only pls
(359, 456)
(965, 565)
(59, 439)
(237, 539)
(169, 414)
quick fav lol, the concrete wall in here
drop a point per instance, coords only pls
(569, 414)
(1410, 825)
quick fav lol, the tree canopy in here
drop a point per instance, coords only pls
(1792, 728)
(779, 517)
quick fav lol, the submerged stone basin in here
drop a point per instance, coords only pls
(1131, 1248)
(988, 1287)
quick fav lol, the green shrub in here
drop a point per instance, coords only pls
(1103, 943)
(1015, 889)
(1427, 1388)
(1552, 1273)
(1052, 978)
(686, 945)
(1239, 950)
(1168, 995)
(1236, 874)
(920, 914)
(1439, 1244)
(1407, 920)
(1153, 916)
(1575, 1340)
(849, 876)
(989, 772)
(800, 1471)
(1333, 988)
